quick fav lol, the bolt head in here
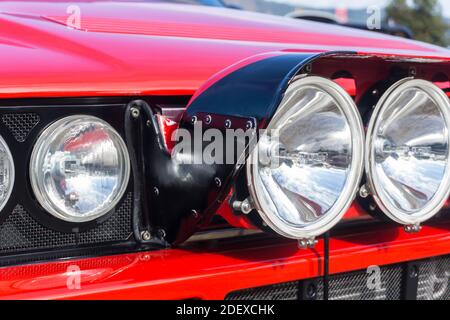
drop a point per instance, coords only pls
(249, 125)
(135, 112)
(146, 235)
(193, 119)
(218, 182)
(208, 119)
(156, 191)
(228, 124)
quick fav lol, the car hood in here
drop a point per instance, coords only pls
(154, 48)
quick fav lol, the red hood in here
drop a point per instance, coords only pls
(137, 48)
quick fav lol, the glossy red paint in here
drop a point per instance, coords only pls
(207, 272)
(147, 49)
(157, 49)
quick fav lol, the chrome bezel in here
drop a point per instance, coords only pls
(442, 194)
(37, 186)
(335, 214)
(12, 173)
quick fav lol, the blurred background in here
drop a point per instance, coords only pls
(425, 20)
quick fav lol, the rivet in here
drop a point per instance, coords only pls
(194, 119)
(249, 125)
(156, 191)
(208, 119)
(228, 124)
(308, 68)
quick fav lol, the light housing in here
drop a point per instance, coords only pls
(305, 171)
(7, 173)
(407, 151)
(79, 168)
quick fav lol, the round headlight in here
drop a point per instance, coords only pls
(305, 172)
(6, 173)
(407, 151)
(79, 168)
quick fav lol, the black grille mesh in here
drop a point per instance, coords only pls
(355, 286)
(281, 291)
(20, 232)
(20, 124)
(434, 279)
(434, 284)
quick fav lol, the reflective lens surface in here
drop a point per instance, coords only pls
(309, 160)
(409, 151)
(79, 168)
(6, 173)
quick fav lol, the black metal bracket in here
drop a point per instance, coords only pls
(410, 281)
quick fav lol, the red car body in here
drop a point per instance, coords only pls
(136, 49)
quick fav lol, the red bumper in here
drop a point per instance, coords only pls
(213, 272)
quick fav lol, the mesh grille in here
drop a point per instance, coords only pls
(20, 232)
(433, 284)
(281, 291)
(356, 285)
(20, 124)
(434, 279)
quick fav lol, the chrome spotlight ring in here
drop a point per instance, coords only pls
(347, 195)
(443, 192)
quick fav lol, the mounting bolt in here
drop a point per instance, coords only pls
(375, 92)
(249, 125)
(156, 191)
(372, 207)
(413, 228)
(243, 206)
(146, 235)
(218, 182)
(307, 243)
(228, 123)
(412, 72)
(148, 123)
(194, 119)
(135, 112)
(364, 191)
(208, 119)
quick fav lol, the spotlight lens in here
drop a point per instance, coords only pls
(79, 168)
(309, 160)
(6, 173)
(409, 151)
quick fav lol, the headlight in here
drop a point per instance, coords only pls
(407, 151)
(79, 168)
(6, 173)
(305, 172)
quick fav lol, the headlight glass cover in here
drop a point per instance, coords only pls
(407, 152)
(306, 169)
(79, 168)
(7, 173)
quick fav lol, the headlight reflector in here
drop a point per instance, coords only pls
(407, 151)
(6, 173)
(79, 168)
(306, 169)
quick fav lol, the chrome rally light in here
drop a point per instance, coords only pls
(407, 152)
(7, 173)
(79, 168)
(306, 169)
